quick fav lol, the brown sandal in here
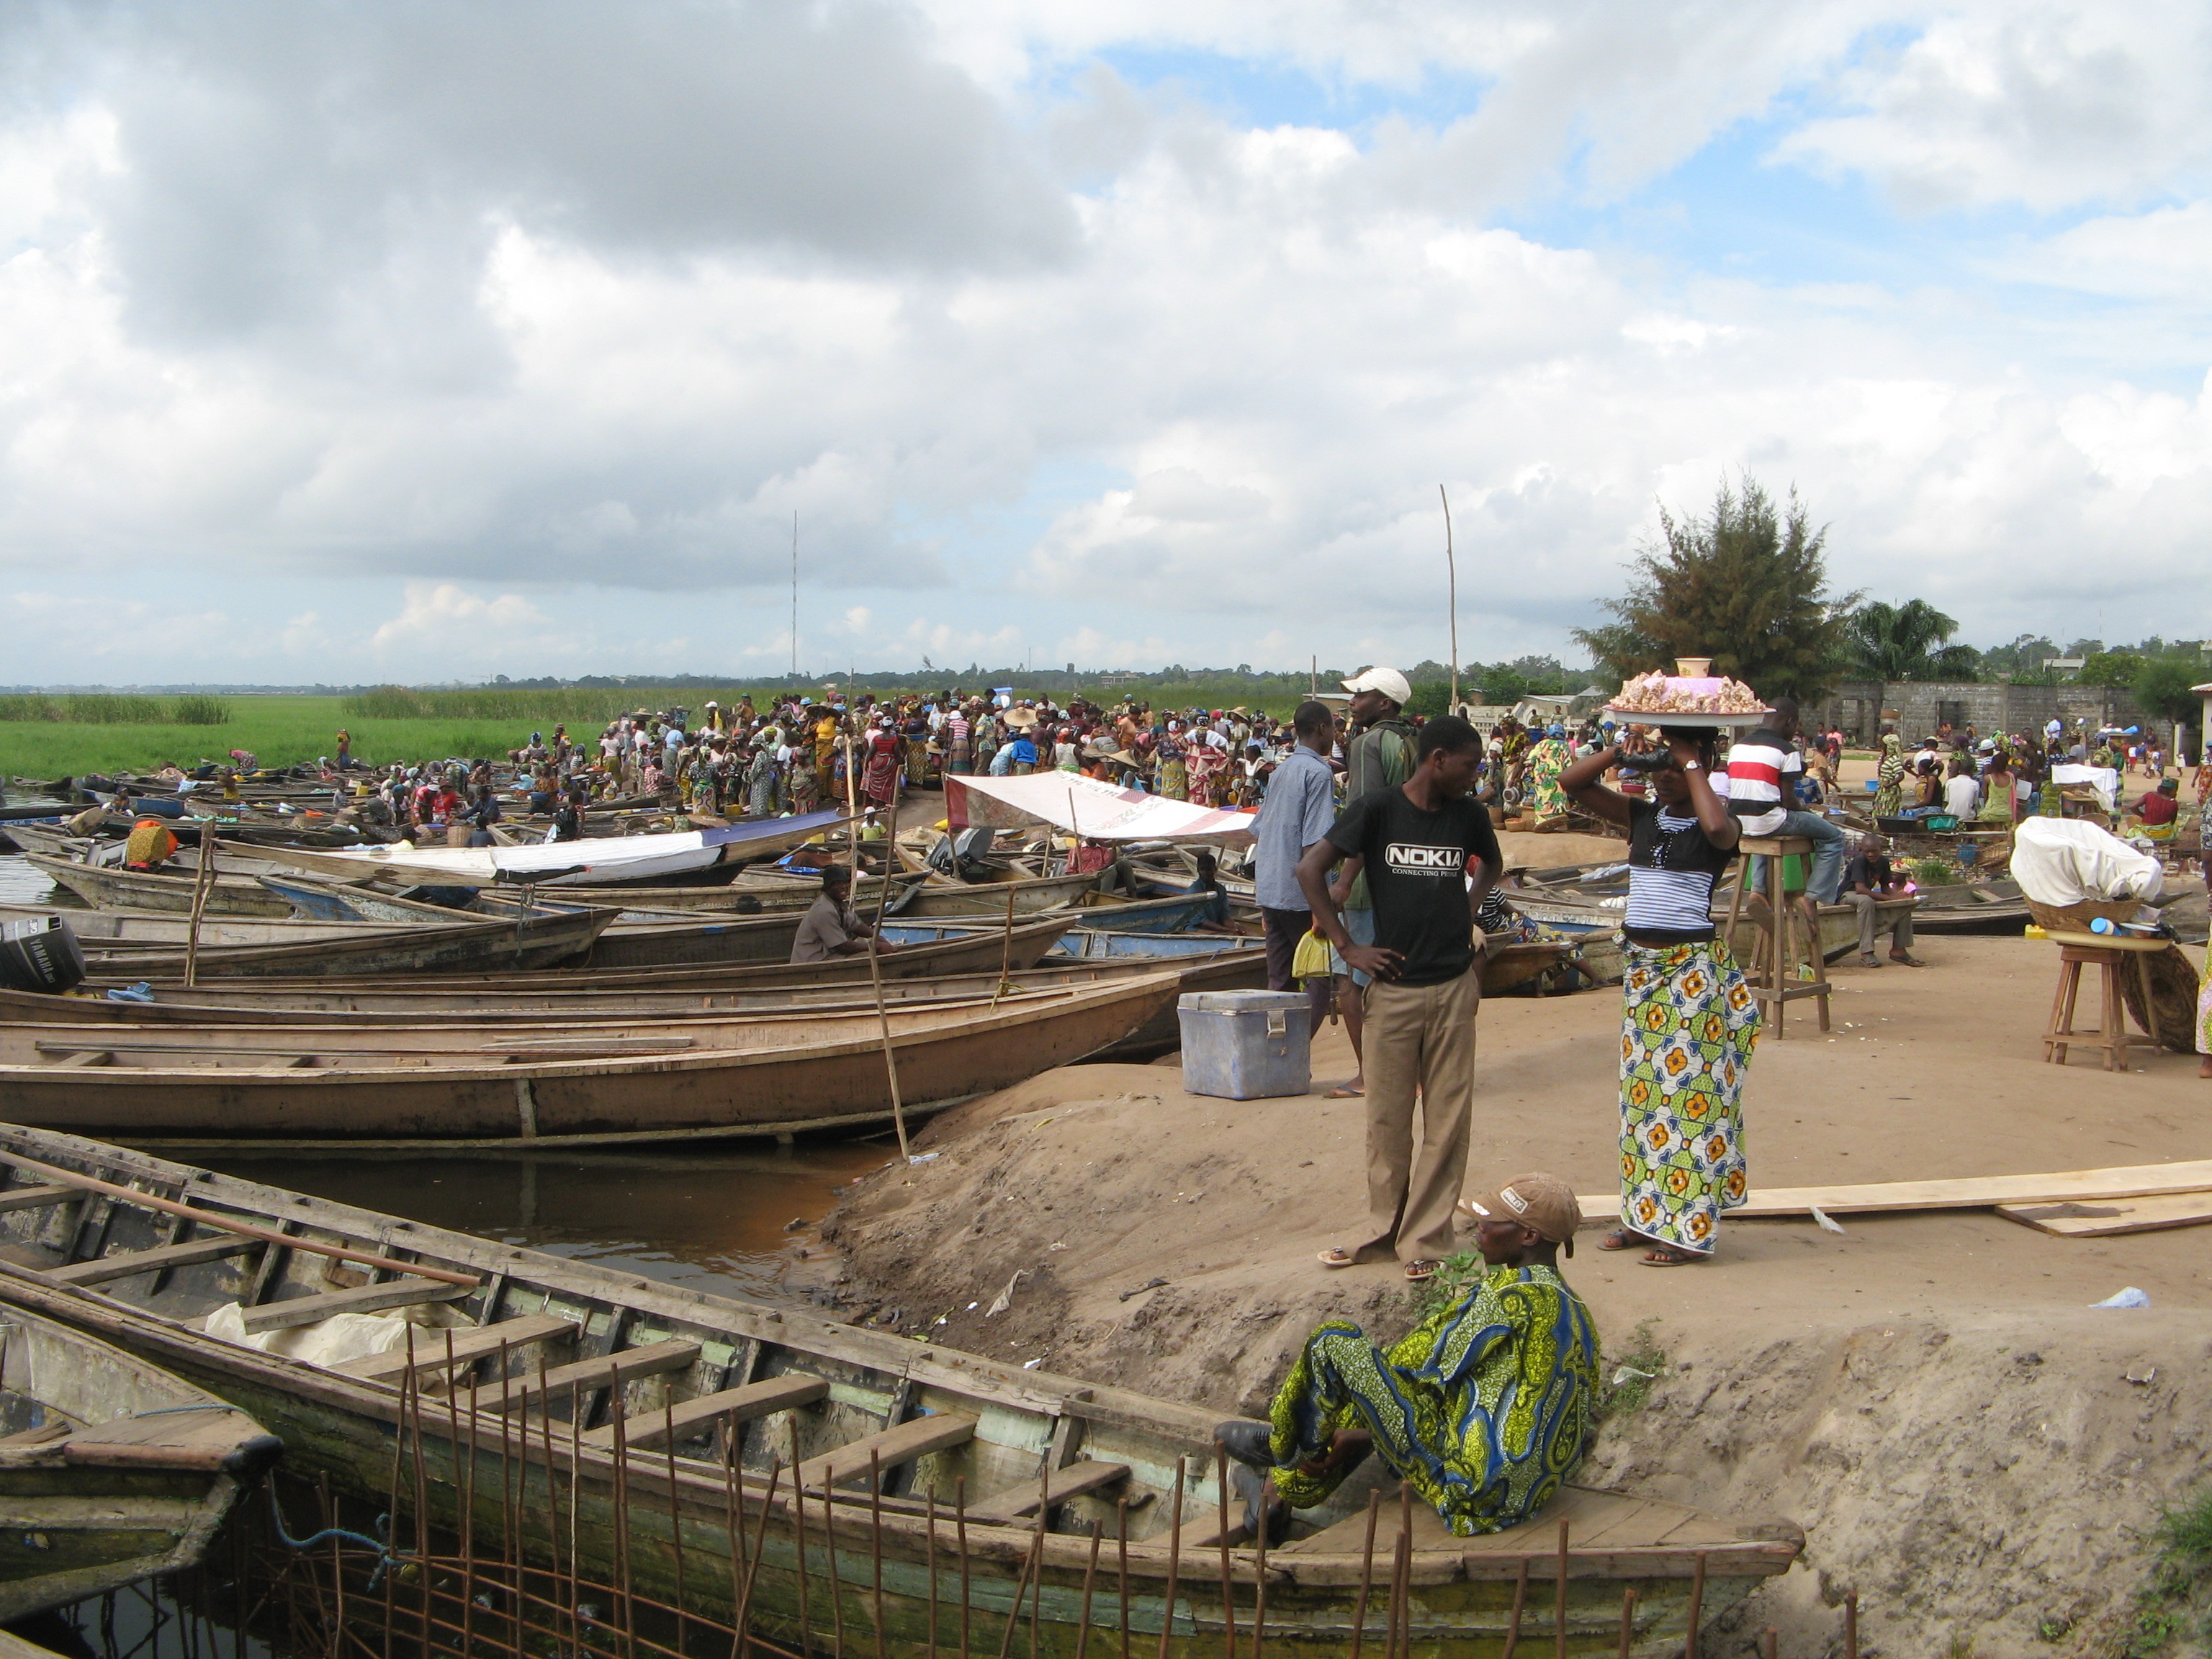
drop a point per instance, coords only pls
(1666, 1255)
(1620, 1238)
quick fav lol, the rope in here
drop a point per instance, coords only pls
(386, 1555)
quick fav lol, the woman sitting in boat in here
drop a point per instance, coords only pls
(1484, 1408)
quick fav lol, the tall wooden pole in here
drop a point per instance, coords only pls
(204, 882)
(1451, 577)
(876, 965)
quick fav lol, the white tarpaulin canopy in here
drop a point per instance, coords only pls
(1087, 807)
(594, 859)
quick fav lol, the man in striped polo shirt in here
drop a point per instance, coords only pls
(1762, 769)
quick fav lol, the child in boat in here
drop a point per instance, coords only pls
(1484, 1408)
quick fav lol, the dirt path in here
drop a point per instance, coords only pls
(1874, 1386)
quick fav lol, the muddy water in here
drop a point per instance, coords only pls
(713, 1217)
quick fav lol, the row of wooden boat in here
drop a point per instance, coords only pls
(886, 1487)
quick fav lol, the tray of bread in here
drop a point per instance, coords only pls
(1687, 700)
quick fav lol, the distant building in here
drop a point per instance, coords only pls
(1862, 709)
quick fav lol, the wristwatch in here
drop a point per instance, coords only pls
(1692, 766)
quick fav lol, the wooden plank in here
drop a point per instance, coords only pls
(779, 1393)
(1072, 1481)
(1202, 1530)
(128, 1264)
(87, 1057)
(901, 1444)
(33, 1197)
(1959, 1192)
(2075, 1219)
(651, 1360)
(369, 1298)
(469, 1346)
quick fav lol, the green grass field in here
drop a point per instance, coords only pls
(402, 726)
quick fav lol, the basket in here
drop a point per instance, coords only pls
(2076, 918)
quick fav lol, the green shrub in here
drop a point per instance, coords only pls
(197, 710)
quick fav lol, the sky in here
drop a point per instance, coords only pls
(425, 343)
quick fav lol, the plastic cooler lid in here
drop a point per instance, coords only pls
(1240, 1002)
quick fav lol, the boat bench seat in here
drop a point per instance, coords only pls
(649, 1359)
(33, 1197)
(365, 1298)
(469, 1346)
(689, 1417)
(1072, 1481)
(128, 1264)
(902, 1444)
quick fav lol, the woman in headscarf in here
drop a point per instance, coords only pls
(1547, 801)
(1889, 777)
(1688, 1018)
(1174, 775)
(880, 765)
(1202, 763)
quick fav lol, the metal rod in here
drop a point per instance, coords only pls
(798, 1515)
(1175, 1558)
(875, 1528)
(1366, 1572)
(675, 1510)
(1400, 1563)
(759, 1551)
(836, 1596)
(1260, 1566)
(1036, 1595)
(960, 1524)
(1851, 1625)
(615, 1404)
(1559, 1600)
(1089, 1578)
(1451, 577)
(1627, 1620)
(1228, 1582)
(929, 1531)
(1520, 1603)
(1006, 954)
(465, 1490)
(1122, 1534)
(1697, 1590)
(1767, 1638)
(422, 1494)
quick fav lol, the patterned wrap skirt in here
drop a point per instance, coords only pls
(2205, 1013)
(1688, 1024)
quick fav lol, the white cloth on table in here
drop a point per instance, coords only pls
(2105, 780)
(2067, 860)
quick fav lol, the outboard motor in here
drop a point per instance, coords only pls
(42, 955)
(961, 854)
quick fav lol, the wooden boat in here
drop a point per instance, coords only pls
(112, 1470)
(117, 889)
(1980, 907)
(462, 947)
(647, 1387)
(941, 897)
(966, 952)
(551, 1085)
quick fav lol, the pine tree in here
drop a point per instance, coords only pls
(1746, 585)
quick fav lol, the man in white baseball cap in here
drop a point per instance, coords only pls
(1388, 684)
(1378, 755)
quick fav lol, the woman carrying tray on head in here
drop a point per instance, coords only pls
(1688, 1019)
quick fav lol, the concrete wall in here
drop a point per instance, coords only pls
(1922, 706)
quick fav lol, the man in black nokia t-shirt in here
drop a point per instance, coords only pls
(1419, 843)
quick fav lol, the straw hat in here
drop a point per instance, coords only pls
(1020, 717)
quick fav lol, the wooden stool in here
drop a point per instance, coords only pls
(2111, 952)
(1774, 961)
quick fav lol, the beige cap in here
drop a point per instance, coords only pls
(1389, 681)
(1544, 1204)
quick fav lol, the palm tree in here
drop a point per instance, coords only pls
(1906, 642)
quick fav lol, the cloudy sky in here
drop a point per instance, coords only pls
(426, 342)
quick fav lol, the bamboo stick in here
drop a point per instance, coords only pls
(876, 973)
(202, 881)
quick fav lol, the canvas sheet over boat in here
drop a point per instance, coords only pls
(594, 859)
(1087, 807)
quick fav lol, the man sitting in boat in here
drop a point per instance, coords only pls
(1484, 1408)
(831, 927)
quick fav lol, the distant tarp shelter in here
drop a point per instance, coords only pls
(2105, 779)
(1087, 807)
(594, 859)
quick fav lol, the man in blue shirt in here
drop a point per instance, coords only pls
(1299, 807)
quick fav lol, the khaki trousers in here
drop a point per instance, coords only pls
(1419, 1040)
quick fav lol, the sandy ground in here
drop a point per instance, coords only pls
(1878, 1387)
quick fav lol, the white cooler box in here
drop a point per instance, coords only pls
(1246, 1045)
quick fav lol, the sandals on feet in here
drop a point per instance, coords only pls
(1666, 1255)
(1907, 959)
(1618, 1239)
(1335, 1256)
(1870, 960)
(1424, 1268)
(1344, 1092)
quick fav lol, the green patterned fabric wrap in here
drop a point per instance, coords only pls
(1484, 1409)
(1688, 1024)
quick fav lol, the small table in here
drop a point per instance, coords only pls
(2110, 952)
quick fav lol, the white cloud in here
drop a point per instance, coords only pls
(285, 311)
